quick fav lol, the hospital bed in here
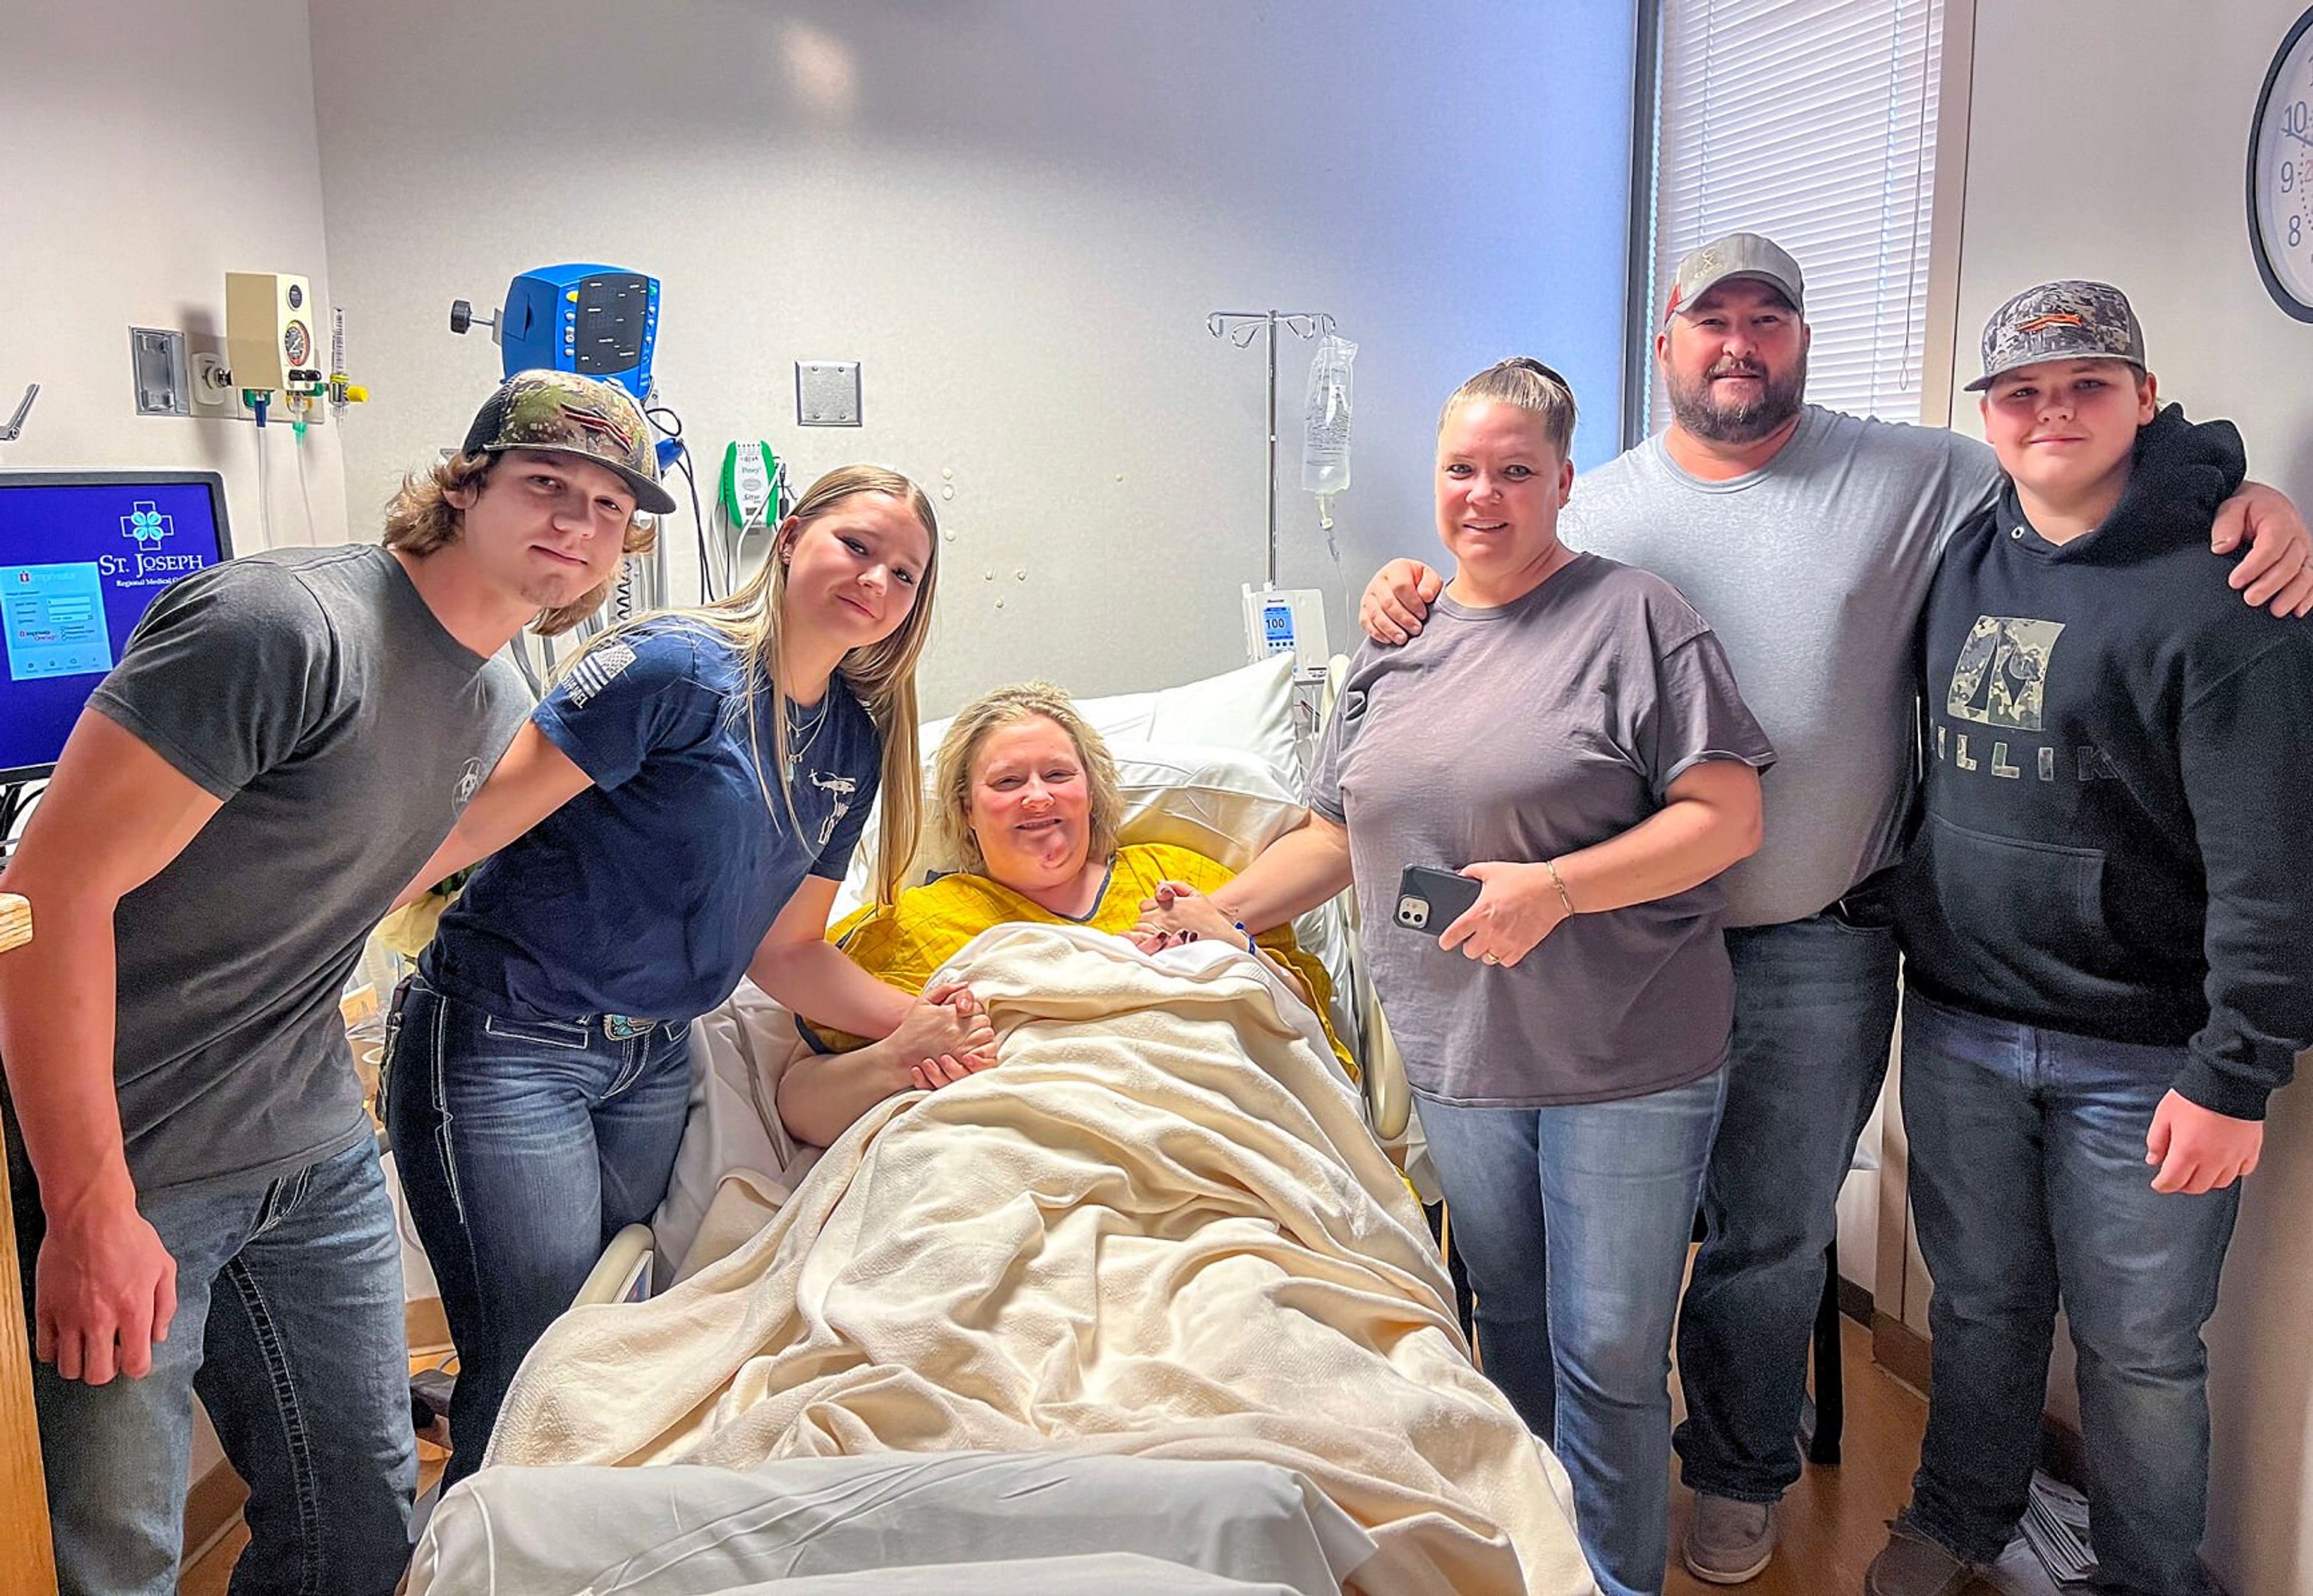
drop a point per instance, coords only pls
(1211, 766)
(1214, 765)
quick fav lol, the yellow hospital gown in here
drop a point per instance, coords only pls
(904, 945)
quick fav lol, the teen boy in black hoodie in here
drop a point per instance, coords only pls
(2108, 944)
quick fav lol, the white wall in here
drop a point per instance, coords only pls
(2108, 141)
(147, 150)
(1016, 214)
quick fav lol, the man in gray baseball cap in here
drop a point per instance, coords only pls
(1807, 538)
(1738, 255)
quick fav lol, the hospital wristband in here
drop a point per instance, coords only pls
(1249, 945)
(1559, 882)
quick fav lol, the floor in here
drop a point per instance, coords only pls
(1832, 1521)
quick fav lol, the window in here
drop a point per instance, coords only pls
(1814, 122)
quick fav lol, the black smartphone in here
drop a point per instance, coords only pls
(1430, 900)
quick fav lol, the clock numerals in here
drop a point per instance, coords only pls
(2281, 174)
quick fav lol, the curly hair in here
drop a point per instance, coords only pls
(420, 519)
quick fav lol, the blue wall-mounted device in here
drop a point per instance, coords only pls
(598, 321)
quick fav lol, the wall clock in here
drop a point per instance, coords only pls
(2281, 174)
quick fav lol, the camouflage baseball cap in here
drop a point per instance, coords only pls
(2069, 320)
(565, 413)
(1738, 255)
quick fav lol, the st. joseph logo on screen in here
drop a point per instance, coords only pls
(146, 524)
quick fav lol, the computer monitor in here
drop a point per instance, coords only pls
(82, 555)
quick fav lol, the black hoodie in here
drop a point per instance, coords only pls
(2119, 782)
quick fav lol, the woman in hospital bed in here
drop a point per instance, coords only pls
(1157, 1230)
(1029, 793)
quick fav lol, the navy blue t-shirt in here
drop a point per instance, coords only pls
(647, 894)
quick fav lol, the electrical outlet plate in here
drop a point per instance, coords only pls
(158, 375)
(827, 393)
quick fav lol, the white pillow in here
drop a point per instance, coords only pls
(1249, 709)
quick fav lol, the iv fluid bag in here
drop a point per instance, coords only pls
(1325, 420)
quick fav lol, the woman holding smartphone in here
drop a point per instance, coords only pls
(1566, 733)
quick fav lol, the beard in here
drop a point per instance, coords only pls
(1744, 421)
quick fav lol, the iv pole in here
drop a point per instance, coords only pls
(1241, 328)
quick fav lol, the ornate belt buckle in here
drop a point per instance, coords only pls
(624, 1028)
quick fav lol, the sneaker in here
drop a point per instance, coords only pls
(1727, 1542)
(1911, 1565)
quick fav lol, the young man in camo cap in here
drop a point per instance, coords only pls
(198, 1199)
(2106, 948)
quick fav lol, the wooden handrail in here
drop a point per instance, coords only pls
(27, 1559)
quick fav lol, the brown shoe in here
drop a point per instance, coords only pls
(1911, 1565)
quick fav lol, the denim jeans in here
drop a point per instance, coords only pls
(2029, 1187)
(289, 1326)
(1574, 1223)
(1815, 1011)
(524, 1146)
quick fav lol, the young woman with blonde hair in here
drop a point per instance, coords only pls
(675, 815)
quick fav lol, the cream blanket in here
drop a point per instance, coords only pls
(1159, 1227)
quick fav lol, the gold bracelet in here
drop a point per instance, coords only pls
(1560, 881)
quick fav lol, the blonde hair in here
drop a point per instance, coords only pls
(1006, 706)
(882, 676)
(420, 519)
(1524, 383)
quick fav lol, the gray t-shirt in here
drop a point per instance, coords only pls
(1520, 734)
(1813, 570)
(315, 692)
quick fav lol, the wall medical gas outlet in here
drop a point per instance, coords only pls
(268, 333)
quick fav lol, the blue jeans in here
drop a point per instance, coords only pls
(1573, 1223)
(289, 1326)
(524, 1146)
(1815, 1011)
(2029, 1186)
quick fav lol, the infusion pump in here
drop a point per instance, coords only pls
(1286, 620)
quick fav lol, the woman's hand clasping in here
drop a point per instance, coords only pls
(944, 1036)
(1179, 914)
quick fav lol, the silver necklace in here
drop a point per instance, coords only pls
(807, 732)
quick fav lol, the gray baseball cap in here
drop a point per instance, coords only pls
(2070, 319)
(1738, 255)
